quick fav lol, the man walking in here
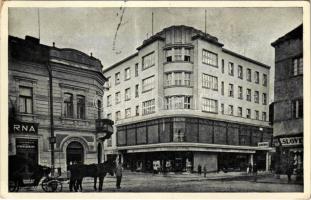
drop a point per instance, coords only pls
(119, 170)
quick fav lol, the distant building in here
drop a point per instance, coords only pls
(288, 97)
(77, 93)
(183, 100)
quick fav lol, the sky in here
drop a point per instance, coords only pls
(247, 31)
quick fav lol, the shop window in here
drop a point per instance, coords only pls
(25, 100)
(68, 105)
(80, 107)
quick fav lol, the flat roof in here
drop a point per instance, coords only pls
(120, 62)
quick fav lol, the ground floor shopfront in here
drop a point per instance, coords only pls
(191, 157)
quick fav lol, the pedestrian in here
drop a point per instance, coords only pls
(289, 172)
(119, 170)
(204, 171)
(255, 171)
(199, 169)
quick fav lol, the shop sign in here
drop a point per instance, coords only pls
(291, 141)
(263, 144)
(26, 144)
(24, 128)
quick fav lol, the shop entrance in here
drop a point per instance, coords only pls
(75, 153)
(28, 149)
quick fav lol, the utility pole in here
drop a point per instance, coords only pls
(205, 23)
(152, 24)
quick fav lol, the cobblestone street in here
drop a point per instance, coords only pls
(222, 182)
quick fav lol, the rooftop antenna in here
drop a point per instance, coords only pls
(152, 24)
(205, 23)
(38, 22)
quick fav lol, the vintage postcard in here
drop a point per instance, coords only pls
(165, 99)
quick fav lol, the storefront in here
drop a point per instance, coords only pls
(290, 153)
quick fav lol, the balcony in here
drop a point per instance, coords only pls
(104, 129)
(178, 66)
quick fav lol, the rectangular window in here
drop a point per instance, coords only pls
(297, 66)
(249, 75)
(264, 98)
(148, 60)
(136, 69)
(222, 66)
(222, 107)
(68, 105)
(178, 54)
(240, 72)
(187, 55)
(240, 88)
(210, 82)
(99, 109)
(264, 80)
(256, 97)
(117, 78)
(118, 97)
(210, 105)
(230, 110)
(209, 58)
(137, 111)
(118, 115)
(80, 107)
(178, 78)
(256, 114)
(127, 74)
(149, 107)
(169, 79)
(240, 114)
(148, 84)
(108, 82)
(230, 90)
(231, 69)
(109, 142)
(109, 100)
(256, 77)
(297, 108)
(136, 91)
(169, 55)
(128, 113)
(222, 88)
(127, 94)
(248, 95)
(264, 116)
(187, 78)
(248, 113)
(25, 100)
(178, 102)
(109, 116)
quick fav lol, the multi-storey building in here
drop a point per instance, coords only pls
(288, 97)
(182, 100)
(63, 115)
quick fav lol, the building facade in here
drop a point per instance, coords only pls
(63, 115)
(182, 100)
(288, 105)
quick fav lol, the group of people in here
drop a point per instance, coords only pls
(200, 170)
(252, 170)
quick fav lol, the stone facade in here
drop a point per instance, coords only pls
(73, 73)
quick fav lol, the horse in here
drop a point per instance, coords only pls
(79, 171)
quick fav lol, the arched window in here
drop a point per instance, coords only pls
(80, 107)
(68, 105)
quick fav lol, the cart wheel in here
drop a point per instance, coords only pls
(52, 186)
(13, 186)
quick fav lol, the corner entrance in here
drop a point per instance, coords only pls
(75, 153)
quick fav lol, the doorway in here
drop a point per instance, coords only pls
(75, 153)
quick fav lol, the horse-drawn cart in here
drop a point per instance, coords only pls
(23, 173)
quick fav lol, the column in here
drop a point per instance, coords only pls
(267, 161)
(251, 159)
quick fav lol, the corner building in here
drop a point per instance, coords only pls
(182, 100)
(77, 92)
(288, 105)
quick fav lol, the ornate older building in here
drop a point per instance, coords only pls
(54, 124)
(182, 100)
